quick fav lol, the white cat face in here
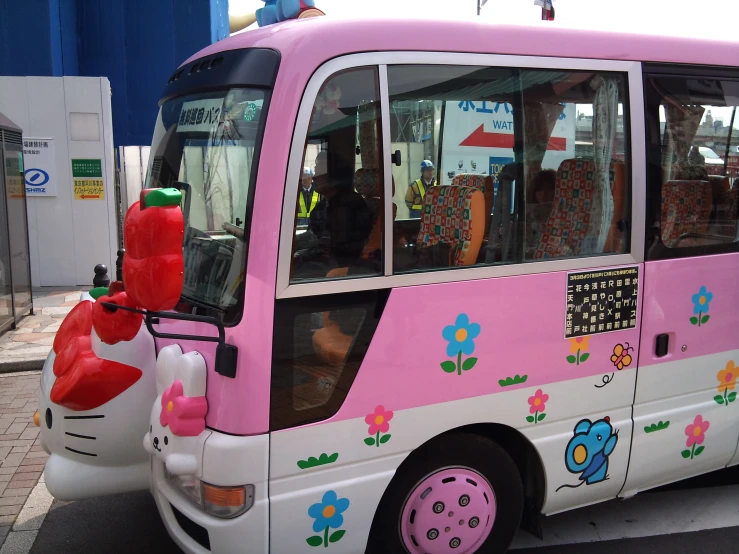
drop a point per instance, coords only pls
(98, 451)
(177, 425)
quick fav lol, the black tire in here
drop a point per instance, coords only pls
(452, 450)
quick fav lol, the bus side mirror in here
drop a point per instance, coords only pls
(396, 158)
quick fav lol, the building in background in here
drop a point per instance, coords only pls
(83, 79)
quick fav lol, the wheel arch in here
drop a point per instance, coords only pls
(522, 451)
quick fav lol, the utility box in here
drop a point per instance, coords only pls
(69, 174)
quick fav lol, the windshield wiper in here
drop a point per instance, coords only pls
(201, 304)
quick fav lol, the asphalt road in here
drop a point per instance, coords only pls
(130, 523)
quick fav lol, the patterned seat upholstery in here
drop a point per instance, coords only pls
(483, 183)
(727, 204)
(455, 216)
(368, 183)
(567, 225)
(471, 180)
(686, 208)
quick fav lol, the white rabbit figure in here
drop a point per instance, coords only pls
(177, 426)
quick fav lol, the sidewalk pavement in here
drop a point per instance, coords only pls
(24, 500)
(22, 457)
(26, 347)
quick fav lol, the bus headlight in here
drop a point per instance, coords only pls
(223, 502)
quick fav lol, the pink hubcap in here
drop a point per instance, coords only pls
(451, 511)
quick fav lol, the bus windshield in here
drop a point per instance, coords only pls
(204, 145)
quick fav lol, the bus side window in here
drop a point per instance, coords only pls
(693, 179)
(339, 215)
(561, 136)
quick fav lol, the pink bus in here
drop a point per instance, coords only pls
(512, 289)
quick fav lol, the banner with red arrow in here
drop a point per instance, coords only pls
(478, 137)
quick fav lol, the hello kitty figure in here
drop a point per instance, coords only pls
(177, 427)
(94, 402)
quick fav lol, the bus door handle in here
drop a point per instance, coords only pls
(662, 343)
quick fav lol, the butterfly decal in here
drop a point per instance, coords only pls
(621, 357)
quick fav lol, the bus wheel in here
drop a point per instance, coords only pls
(458, 494)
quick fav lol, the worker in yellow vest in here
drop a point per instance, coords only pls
(308, 198)
(417, 189)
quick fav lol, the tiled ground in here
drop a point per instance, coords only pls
(28, 346)
(22, 457)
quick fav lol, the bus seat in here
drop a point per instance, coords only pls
(727, 204)
(614, 242)
(368, 183)
(567, 225)
(455, 216)
(330, 344)
(686, 208)
(483, 183)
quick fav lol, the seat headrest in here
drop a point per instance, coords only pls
(368, 182)
(471, 180)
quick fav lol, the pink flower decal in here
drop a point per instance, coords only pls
(696, 433)
(537, 405)
(185, 416)
(379, 422)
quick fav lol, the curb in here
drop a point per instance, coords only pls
(28, 523)
(29, 364)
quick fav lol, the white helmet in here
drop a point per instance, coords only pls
(307, 172)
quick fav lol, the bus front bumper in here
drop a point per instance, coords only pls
(227, 461)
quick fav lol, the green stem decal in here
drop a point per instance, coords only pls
(536, 418)
(699, 324)
(692, 452)
(325, 537)
(578, 356)
(459, 363)
(377, 442)
(726, 399)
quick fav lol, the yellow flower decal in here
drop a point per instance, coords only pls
(578, 347)
(726, 382)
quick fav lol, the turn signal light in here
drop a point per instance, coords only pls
(224, 496)
(37, 419)
(227, 502)
(223, 502)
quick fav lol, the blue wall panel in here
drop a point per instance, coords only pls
(136, 44)
(25, 42)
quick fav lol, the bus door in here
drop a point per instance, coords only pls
(685, 407)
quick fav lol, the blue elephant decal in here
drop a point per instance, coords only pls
(588, 451)
(275, 11)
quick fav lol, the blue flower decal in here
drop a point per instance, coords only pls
(328, 515)
(461, 337)
(702, 301)
(701, 305)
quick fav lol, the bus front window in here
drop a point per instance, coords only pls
(204, 145)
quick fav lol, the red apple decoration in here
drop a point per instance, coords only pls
(153, 265)
(114, 326)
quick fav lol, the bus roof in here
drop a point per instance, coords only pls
(318, 39)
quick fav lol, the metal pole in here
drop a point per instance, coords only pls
(478, 7)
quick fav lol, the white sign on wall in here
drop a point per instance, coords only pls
(478, 138)
(40, 166)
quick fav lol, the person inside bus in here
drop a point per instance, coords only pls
(543, 187)
(341, 221)
(308, 198)
(417, 189)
